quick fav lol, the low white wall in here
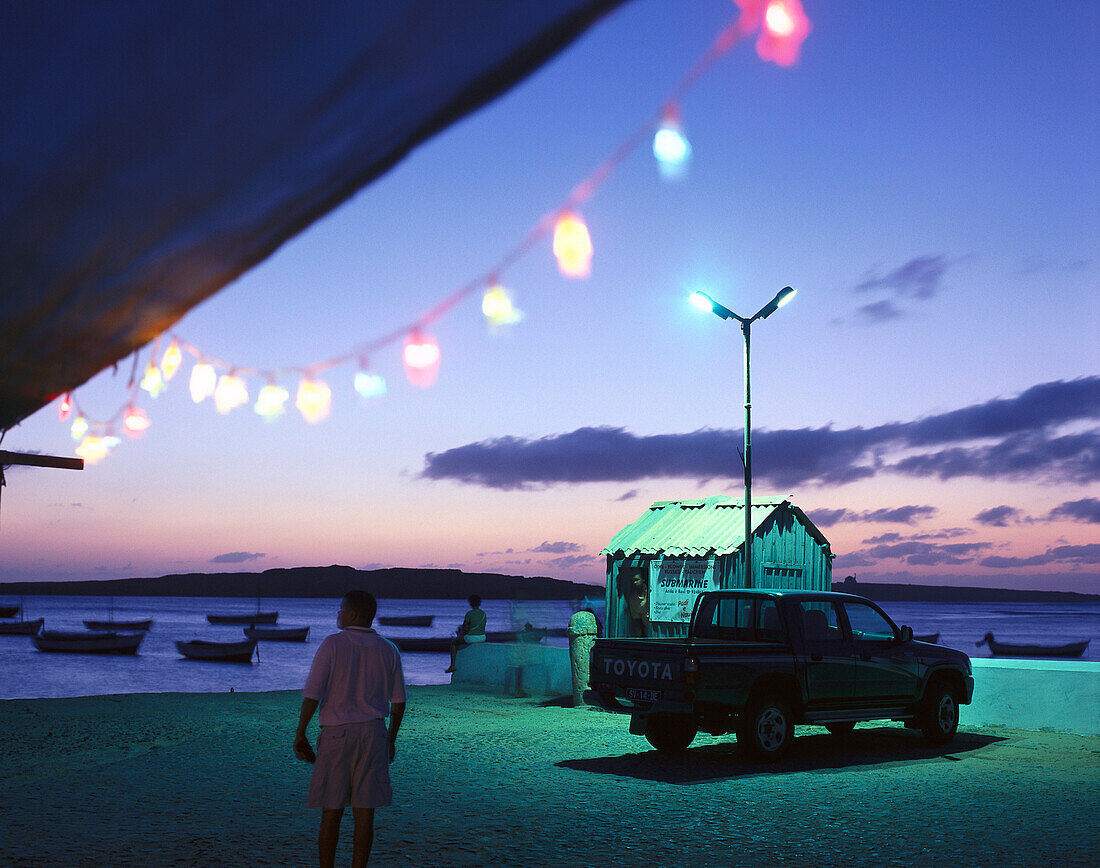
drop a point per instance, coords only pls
(515, 668)
(1040, 695)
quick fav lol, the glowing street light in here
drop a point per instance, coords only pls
(704, 302)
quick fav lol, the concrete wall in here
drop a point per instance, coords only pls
(1039, 695)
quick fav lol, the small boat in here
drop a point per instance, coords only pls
(406, 620)
(931, 638)
(277, 634)
(119, 625)
(254, 618)
(21, 628)
(1002, 649)
(436, 644)
(9, 611)
(87, 642)
(224, 652)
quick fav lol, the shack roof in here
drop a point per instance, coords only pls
(704, 526)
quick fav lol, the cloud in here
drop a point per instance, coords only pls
(892, 515)
(918, 278)
(627, 495)
(1025, 445)
(568, 562)
(237, 557)
(1087, 510)
(1069, 554)
(879, 311)
(893, 546)
(998, 516)
(556, 548)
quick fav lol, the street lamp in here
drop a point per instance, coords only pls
(704, 302)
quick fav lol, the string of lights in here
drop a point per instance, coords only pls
(780, 26)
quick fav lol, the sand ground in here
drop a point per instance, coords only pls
(484, 779)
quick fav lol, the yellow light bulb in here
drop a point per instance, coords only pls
(79, 428)
(170, 361)
(572, 246)
(497, 306)
(93, 449)
(314, 400)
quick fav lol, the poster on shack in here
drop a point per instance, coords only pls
(674, 583)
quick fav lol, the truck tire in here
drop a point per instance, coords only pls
(670, 733)
(939, 717)
(766, 729)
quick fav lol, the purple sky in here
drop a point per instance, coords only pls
(926, 176)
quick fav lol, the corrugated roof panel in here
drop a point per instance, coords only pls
(692, 527)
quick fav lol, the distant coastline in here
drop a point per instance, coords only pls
(441, 584)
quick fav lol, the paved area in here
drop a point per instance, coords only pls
(481, 779)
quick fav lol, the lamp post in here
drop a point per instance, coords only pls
(705, 302)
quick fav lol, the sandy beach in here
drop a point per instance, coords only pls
(486, 779)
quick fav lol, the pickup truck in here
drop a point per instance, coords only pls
(758, 662)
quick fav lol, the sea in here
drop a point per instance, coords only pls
(26, 673)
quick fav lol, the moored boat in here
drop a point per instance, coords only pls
(436, 644)
(21, 628)
(90, 642)
(277, 634)
(406, 620)
(118, 625)
(1004, 649)
(224, 652)
(254, 618)
(9, 611)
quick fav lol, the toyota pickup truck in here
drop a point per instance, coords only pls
(759, 662)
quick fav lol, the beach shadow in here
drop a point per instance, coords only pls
(814, 753)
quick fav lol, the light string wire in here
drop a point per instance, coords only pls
(753, 14)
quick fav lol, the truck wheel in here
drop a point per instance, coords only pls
(841, 728)
(670, 733)
(766, 729)
(939, 718)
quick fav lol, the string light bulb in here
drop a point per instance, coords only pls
(79, 428)
(670, 147)
(369, 385)
(230, 393)
(136, 422)
(785, 27)
(421, 356)
(496, 305)
(171, 361)
(572, 245)
(204, 379)
(314, 400)
(65, 408)
(93, 449)
(270, 402)
(153, 382)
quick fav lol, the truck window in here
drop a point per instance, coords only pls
(821, 621)
(739, 619)
(867, 623)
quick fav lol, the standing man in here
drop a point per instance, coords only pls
(472, 630)
(357, 681)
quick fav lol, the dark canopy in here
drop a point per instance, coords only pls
(150, 152)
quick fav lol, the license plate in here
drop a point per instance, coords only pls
(642, 694)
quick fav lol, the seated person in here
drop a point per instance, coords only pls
(471, 631)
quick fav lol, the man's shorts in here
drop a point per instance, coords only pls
(352, 767)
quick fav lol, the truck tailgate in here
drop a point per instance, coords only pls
(646, 663)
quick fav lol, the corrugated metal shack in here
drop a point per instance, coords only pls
(658, 565)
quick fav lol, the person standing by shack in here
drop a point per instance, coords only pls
(472, 630)
(357, 681)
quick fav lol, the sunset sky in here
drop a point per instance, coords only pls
(926, 176)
